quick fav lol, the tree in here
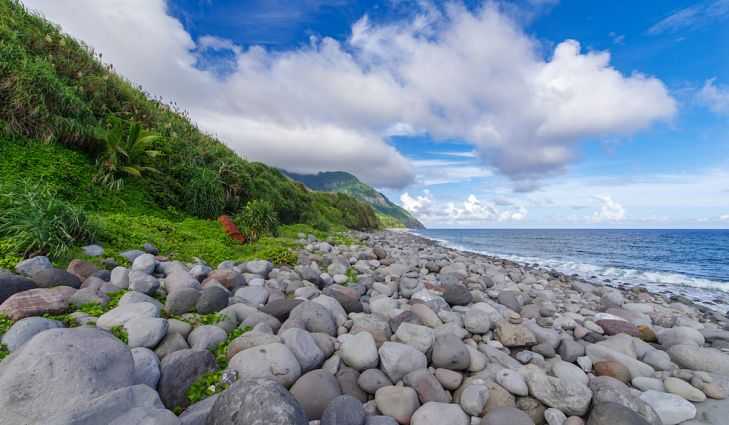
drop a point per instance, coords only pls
(126, 151)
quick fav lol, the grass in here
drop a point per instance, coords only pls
(38, 222)
(211, 383)
(120, 333)
(5, 324)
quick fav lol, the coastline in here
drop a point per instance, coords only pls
(385, 325)
(704, 294)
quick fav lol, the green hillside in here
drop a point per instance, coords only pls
(342, 182)
(65, 118)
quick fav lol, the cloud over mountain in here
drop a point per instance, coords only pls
(450, 73)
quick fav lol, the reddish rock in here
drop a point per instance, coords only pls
(231, 229)
(613, 370)
(81, 269)
(36, 302)
(229, 278)
(614, 327)
(647, 334)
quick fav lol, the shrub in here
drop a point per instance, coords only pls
(257, 219)
(205, 196)
(126, 151)
(37, 222)
(8, 255)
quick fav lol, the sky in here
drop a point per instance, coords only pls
(530, 113)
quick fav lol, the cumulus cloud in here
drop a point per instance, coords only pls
(450, 73)
(715, 97)
(471, 211)
(420, 204)
(610, 210)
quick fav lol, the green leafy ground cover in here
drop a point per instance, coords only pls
(59, 101)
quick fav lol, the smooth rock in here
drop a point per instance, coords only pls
(569, 396)
(433, 413)
(398, 402)
(274, 361)
(607, 413)
(59, 370)
(449, 352)
(256, 402)
(506, 416)
(344, 410)
(314, 391)
(145, 331)
(124, 313)
(146, 367)
(178, 371)
(25, 329)
(359, 351)
(397, 360)
(304, 348)
(671, 408)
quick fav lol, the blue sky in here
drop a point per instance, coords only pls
(533, 113)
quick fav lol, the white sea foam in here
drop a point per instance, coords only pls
(699, 289)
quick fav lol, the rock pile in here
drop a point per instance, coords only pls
(426, 335)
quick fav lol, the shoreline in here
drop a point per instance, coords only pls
(390, 328)
(716, 299)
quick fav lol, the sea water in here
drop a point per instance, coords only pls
(692, 263)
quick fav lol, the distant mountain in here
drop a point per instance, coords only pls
(343, 182)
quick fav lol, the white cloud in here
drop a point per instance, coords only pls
(420, 204)
(331, 105)
(724, 217)
(715, 97)
(471, 211)
(692, 17)
(610, 210)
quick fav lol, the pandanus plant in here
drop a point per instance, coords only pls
(126, 151)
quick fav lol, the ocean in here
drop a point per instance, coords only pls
(692, 263)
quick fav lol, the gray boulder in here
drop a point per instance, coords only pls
(206, 337)
(304, 348)
(433, 413)
(314, 391)
(614, 414)
(32, 265)
(145, 331)
(256, 402)
(11, 284)
(506, 416)
(182, 301)
(50, 277)
(571, 397)
(689, 356)
(178, 371)
(397, 360)
(146, 367)
(144, 263)
(59, 370)
(25, 329)
(344, 410)
(124, 313)
(449, 352)
(212, 299)
(143, 282)
(273, 361)
(137, 404)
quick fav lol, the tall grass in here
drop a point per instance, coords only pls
(36, 221)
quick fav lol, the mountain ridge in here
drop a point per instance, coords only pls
(344, 182)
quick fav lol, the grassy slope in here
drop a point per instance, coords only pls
(342, 182)
(54, 93)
